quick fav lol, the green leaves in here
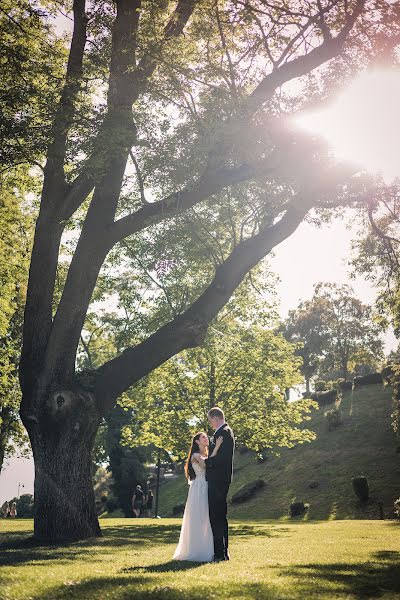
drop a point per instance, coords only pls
(243, 368)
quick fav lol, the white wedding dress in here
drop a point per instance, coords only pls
(196, 539)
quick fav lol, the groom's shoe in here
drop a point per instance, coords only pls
(227, 557)
(219, 559)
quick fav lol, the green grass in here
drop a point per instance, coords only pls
(364, 444)
(330, 559)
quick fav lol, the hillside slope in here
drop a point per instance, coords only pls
(363, 445)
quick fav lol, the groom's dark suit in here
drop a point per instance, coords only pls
(219, 477)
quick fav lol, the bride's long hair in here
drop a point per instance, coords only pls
(189, 471)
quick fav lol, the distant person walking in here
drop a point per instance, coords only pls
(5, 509)
(13, 510)
(138, 501)
(149, 503)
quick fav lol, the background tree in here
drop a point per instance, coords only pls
(304, 327)
(196, 116)
(16, 225)
(377, 257)
(337, 333)
(352, 335)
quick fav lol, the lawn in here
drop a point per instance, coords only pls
(270, 559)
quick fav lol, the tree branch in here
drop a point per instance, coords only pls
(66, 108)
(178, 202)
(302, 65)
(189, 329)
(127, 82)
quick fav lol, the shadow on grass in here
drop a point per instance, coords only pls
(171, 565)
(18, 548)
(372, 579)
(256, 531)
(131, 588)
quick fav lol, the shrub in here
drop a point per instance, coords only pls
(361, 488)
(111, 504)
(326, 397)
(262, 456)
(367, 379)
(387, 373)
(334, 418)
(298, 508)
(342, 385)
(178, 509)
(247, 491)
(397, 508)
(320, 386)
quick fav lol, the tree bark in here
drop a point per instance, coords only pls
(62, 442)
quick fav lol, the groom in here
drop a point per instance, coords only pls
(219, 477)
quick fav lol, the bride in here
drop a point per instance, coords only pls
(196, 538)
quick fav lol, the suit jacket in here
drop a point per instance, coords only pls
(219, 468)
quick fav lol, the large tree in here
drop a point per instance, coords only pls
(191, 94)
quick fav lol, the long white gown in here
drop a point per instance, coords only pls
(196, 539)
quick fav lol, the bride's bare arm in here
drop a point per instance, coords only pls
(218, 444)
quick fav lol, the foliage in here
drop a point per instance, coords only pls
(320, 386)
(31, 58)
(126, 464)
(334, 419)
(397, 508)
(361, 488)
(337, 331)
(102, 483)
(16, 224)
(241, 367)
(298, 508)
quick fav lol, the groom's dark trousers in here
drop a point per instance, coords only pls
(218, 509)
(219, 477)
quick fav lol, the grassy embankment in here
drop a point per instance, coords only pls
(364, 445)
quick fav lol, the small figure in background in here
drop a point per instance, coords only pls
(149, 503)
(138, 501)
(5, 509)
(13, 510)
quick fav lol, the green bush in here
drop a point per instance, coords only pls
(247, 491)
(320, 386)
(298, 508)
(361, 488)
(334, 418)
(178, 509)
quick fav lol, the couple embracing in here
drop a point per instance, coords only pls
(204, 532)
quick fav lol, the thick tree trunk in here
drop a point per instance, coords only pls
(62, 442)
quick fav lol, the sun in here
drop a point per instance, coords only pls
(363, 124)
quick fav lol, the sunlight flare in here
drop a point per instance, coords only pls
(363, 124)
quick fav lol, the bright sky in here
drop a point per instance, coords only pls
(362, 125)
